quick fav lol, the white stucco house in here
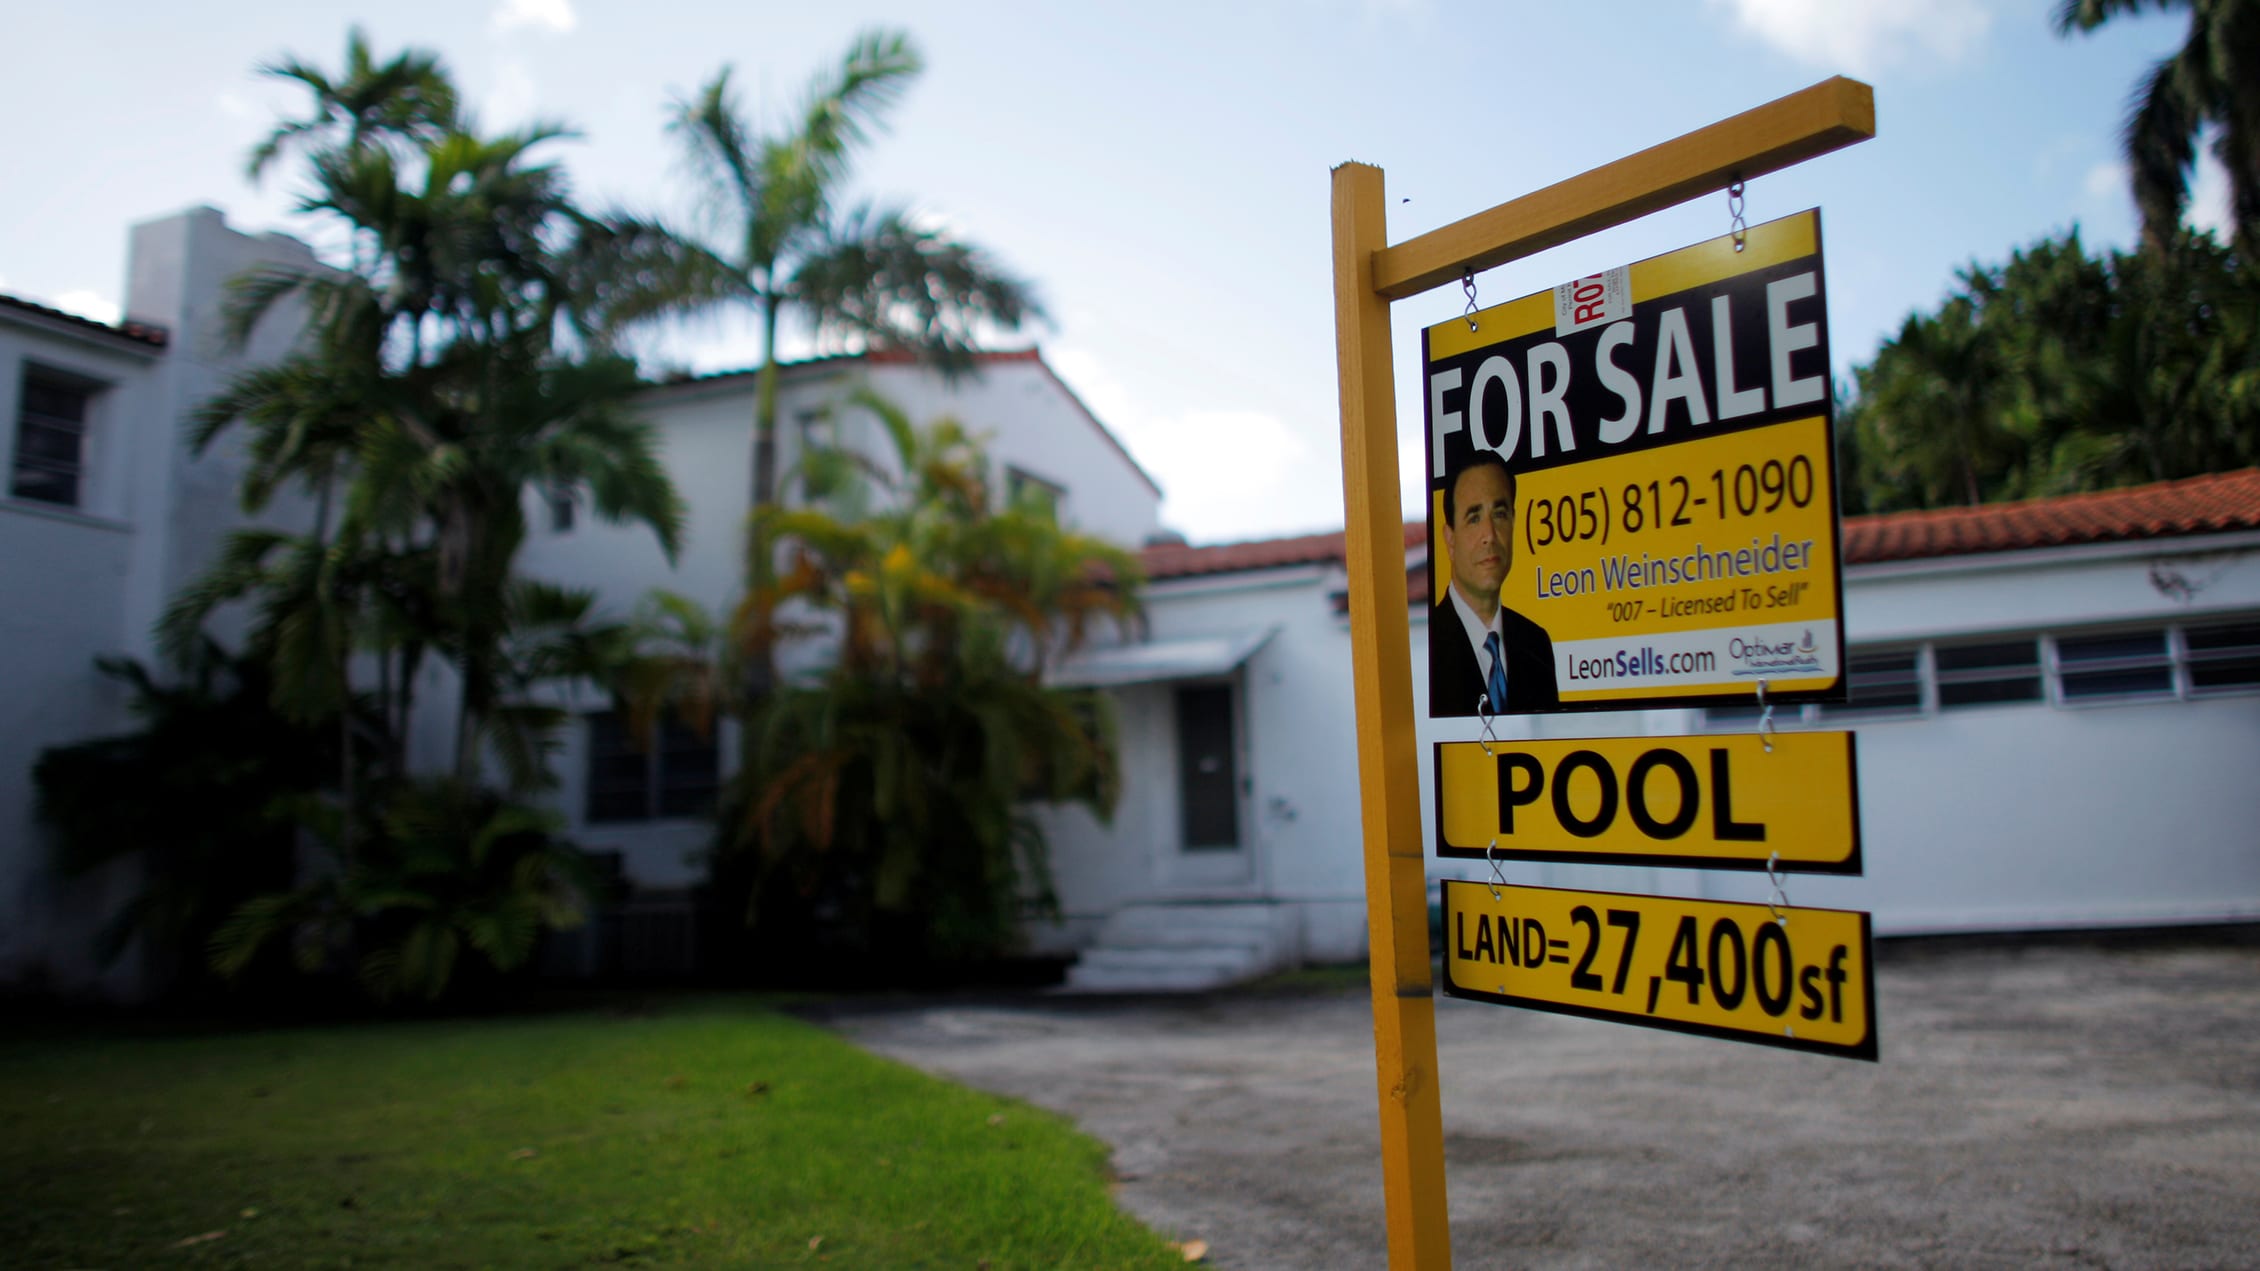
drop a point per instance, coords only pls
(2057, 705)
(104, 516)
(2057, 702)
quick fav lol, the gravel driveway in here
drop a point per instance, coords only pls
(2037, 1104)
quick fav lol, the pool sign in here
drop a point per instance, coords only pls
(1725, 801)
(1634, 471)
(1712, 968)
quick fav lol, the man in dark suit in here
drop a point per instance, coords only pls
(1477, 647)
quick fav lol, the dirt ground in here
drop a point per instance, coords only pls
(2036, 1104)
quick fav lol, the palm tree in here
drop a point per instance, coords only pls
(2213, 80)
(789, 245)
(408, 99)
(1934, 393)
(472, 346)
(889, 790)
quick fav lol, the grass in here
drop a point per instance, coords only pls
(712, 1132)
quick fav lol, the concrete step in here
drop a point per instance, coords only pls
(1225, 961)
(1142, 920)
(1141, 971)
(1183, 948)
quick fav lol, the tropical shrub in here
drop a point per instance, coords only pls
(198, 794)
(881, 812)
(452, 868)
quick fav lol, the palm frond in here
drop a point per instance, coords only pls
(879, 277)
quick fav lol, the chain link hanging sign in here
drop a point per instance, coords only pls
(1369, 273)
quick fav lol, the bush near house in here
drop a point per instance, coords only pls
(195, 796)
(879, 826)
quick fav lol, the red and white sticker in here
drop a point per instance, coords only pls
(1593, 300)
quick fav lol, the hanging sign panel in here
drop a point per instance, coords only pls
(1724, 802)
(1711, 968)
(1632, 493)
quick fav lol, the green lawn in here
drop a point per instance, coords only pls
(713, 1132)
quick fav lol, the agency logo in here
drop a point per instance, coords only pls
(1754, 654)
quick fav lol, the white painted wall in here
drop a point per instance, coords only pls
(77, 584)
(705, 431)
(1298, 814)
(2023, 816)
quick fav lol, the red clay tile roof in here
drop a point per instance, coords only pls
(2168, 509)
(2212, 504)
(154, 336)
(1178, 560)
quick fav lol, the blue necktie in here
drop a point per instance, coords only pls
(1495, 680)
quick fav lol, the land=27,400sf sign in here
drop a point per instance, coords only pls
(1803, 981)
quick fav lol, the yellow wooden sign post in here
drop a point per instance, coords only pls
(1368, 275)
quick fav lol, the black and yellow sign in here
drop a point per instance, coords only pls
(1724, 802)
(1712, 968)
(1637, 466)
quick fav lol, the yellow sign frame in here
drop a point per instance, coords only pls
(1729, 801)
(1628, 970)
(1369, 274)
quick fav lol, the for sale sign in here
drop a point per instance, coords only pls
(1632, 487)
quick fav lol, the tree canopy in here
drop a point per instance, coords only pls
(2212, 82)
(786, 240)
(2060, 371)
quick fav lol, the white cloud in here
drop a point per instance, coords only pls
(2107, 178)
(554, 16)
(2209, 198)
(510, 99)
(1225, 473)
(88, 303)
(1860, 37)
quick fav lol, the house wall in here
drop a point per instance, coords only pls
(2046, 815)
(89, 582)
(1298, 813)
(2008, 817)
(705, 433)
(2027, 815)
(1032, 422)
(62, 600)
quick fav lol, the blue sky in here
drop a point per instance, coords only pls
(1159, 168)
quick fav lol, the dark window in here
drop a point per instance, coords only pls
(1028, 488)
(1207, 778)
(631, 778)
(2122, 664)
(1984, 674)
(51, 419)
(2224, 658)
(1880, 684)
(561, 509)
